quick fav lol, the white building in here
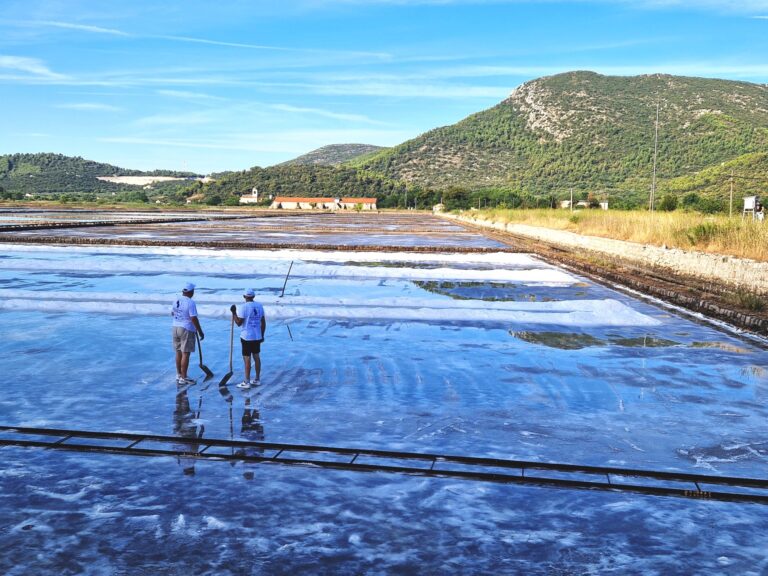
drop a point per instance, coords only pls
(301, 203)
(252, 198)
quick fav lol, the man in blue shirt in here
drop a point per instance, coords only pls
(185, 324)
(251, 319)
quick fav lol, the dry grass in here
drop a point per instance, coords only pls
(685, 230)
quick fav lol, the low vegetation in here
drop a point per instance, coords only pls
(716, 234)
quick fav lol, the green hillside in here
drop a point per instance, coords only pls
(56, 174)
(300, 180)
(336, 154)
(590, 132)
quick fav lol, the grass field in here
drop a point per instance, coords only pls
(686, 230)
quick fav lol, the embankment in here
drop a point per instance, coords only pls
(730, 289)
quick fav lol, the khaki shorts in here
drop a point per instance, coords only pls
(183, 339)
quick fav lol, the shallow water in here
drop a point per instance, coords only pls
(371, 357)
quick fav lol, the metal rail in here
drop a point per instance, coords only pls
(548, 474)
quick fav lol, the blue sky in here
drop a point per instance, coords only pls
(209, 86)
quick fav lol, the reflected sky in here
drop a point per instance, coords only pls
(636, 387)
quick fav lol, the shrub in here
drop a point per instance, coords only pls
(668, 203)
(749, 300)
(702, 233)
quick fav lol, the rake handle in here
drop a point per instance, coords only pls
(231, 341)
(199, 348)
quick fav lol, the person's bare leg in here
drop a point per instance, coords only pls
(257, 366)
(178, 363)
(184, 364)
(247, 364)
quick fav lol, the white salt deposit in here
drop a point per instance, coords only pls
(566, 313)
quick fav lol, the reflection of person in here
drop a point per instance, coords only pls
(185, 325)
(251, 318)
(251, 428)
(759, 211)
(184, 425)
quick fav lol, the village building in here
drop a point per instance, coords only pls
(252, 198)
(300, 203)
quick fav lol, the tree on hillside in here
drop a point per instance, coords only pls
(456, 198)
(668, 203)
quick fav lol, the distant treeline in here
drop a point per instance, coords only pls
(56, 175)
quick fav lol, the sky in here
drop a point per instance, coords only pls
(210, 86)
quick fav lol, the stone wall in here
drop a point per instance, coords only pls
(737, 272)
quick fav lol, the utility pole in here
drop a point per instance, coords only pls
(655, 154)
(730, 208)
(571, 199)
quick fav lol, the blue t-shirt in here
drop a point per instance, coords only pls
(251, 313)
(183, 309)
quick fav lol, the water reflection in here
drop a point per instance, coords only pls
(724, 346)
(251, 429)
(186, 424)
(578, 340)
(489, 291)
(251, 426)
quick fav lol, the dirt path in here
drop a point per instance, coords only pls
(728, 289)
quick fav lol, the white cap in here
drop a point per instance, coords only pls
(249, 292)
(188, 287)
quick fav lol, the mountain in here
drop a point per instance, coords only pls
(579, 130)
(336, 154)
(589, 132)
(56, 174)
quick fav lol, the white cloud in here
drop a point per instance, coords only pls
(396, 89)
(220, 43)
(186, 119)
(378, 55)
(742, 6)
(282, 142)
(81, 27)
(324, 113)
(723, 6)
(197, 40)
(185, 95)
(89, 106)
(33, 66)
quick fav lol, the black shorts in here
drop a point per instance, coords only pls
(250, 346)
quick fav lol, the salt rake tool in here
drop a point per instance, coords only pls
(228, 375)
(203, 367)
(282, 292)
